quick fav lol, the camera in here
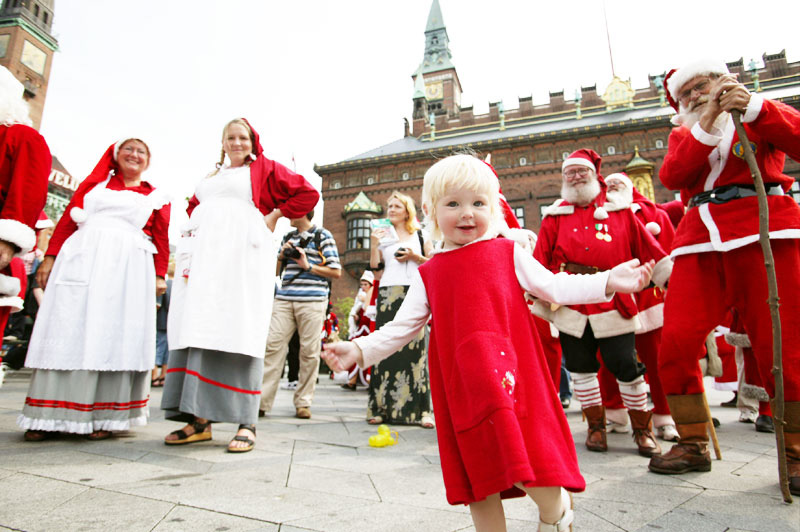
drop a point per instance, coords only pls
(401, 252)
(293, 251)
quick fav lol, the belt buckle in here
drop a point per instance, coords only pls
(725, 195)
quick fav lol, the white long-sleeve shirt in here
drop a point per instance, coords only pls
(561, 288)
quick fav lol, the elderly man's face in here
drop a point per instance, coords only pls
(694, 93)
(616, 185)
(576, 175)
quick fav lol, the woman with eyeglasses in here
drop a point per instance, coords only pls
(93, 343)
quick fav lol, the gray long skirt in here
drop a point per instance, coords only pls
(83, 401)
(214, 385)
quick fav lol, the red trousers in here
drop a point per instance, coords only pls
(704, 286)
(647, 345)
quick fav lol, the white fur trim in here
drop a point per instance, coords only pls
(753, 108)
(578, 161)
(572, 322)
(44, 224)
(15, 302)
(18, 234)
(662, 272)
(737, 339)
(651, 318)
(653, 227)
(524, 237)
(613, 206)
(9, 285)
(600, 214)
(751, 391)
(728, 245)
(558, 208)
(704, 137)
(696, 68)
(78, 215)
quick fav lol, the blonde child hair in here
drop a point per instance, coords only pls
(459, 171)
(411, 223)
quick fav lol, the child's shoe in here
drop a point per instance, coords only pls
(565, 523)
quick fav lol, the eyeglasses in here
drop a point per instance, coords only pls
(700, 86)
(131, 149)
(583, 172)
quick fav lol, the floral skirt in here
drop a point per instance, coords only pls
(399, 389)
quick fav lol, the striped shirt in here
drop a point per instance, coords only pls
(298, 285)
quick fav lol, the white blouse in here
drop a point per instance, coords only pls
(561, 288)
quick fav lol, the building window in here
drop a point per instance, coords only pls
(370, 180)
(519, 212)
(358, 230)
(44, 17)
(565, 156)
(36, 10)
(336, 184)
(523, 161)
(795, 191)
(611, 150)
(406, 176)
(4, 44)
(659, 143)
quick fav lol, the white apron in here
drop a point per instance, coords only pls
(224, 271)
(99, 307)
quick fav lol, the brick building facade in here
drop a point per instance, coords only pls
(628, 127)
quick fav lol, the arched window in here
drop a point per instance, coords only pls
(358, 231)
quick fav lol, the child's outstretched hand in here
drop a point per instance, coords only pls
(340, 355)
(629, 277)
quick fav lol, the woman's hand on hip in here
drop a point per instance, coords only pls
(161, 286)
(43, 273)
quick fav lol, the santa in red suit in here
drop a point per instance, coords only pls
(651, 315)
(25, 164)
(584, 233)
(718, 261)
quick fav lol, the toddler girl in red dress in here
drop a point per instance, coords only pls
(500, 425)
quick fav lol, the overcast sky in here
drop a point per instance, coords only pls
(325, 80)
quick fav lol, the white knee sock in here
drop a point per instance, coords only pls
(634, 394)
(587, 389)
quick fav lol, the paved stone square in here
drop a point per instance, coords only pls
(321, 475)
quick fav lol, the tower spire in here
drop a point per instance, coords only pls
(437, 50)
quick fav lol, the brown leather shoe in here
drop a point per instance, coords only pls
(691, 454)
(303, 412)
(596, 438)
(792, 445)
(794, 478)
(643, 437)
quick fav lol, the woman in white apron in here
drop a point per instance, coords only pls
(223, 289)
(93, 343)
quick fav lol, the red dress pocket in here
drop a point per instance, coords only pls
(483, 379)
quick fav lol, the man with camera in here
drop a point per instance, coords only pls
(308, 259)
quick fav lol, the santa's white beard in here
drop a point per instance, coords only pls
(580, 194)
(689, 118)
(620, 197)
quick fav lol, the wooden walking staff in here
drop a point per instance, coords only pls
(711, 348)
(773, 300)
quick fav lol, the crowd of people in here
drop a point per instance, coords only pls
(626, 296)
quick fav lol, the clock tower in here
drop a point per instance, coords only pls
(27, 47)
(442, 88)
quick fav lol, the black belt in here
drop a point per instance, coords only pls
(732, 192)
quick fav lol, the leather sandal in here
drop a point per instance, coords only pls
(199, 434)
(251, 442)
(375, 420)
(38, 435)
(99, 435)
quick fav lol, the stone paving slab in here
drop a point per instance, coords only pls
(321, 475)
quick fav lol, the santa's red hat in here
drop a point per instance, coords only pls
(584, 157)
(677, 78)
(508, 213)
(43, 222)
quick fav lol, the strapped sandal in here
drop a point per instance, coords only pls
(426, 422)
(375, 420)
(199, 434)
(38, 435)
(567, 517)
(250, 441)
(99, 435)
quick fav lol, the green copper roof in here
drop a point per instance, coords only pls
(419, 85)
(362, 204)
(435, 20)
(437, 49)
(638, 161)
